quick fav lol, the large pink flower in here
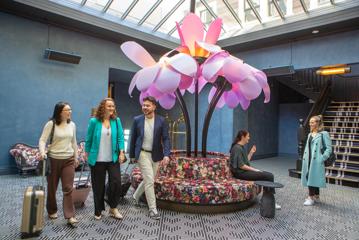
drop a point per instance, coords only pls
(246, 81)
(191, 34)
(160, 79)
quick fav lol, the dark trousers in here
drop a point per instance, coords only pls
(254, 176)
(313, 191)
(98, 179)
(63, 169)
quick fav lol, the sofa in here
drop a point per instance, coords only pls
(189, 181)
(27, 157)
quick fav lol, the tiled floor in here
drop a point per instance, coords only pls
(336, 217)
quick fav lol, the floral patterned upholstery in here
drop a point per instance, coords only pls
(27, 156)
(198, 181)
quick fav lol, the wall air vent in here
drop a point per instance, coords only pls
(279, 71)
(62, 56)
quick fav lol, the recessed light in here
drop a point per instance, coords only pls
(315, 31)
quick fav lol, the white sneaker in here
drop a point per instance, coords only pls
(154, 214)
(308, 202)
(277, 206)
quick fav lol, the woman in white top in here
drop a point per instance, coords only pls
(104, 149)
(62, 155)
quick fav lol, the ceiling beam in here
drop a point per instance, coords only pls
(129, 9)
(304, 6)
(279, 10)
(153, 8)
(234, 14)
(107, 6)
(251, 5)
(168, 15)
(83, 2)
(209, 9)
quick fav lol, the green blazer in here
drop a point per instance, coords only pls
(93, 139)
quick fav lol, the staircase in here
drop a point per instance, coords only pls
(341, 120)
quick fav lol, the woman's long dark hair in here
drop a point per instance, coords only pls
(240, 134)
(56, 116)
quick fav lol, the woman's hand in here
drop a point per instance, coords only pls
(77, 163)
(121, 157)
(42, 156)
(253, 149)
(86, 155)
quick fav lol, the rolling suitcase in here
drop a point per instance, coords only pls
(125, 184)
(81, 189)
(32, 221)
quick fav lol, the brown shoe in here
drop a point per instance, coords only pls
(115, 213)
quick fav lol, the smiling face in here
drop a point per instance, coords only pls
(109, 108)
(66, 113)
(148, 108)
(246, 138)
(314, 124)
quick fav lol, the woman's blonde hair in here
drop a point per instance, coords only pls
(319, 120)
(100, 110)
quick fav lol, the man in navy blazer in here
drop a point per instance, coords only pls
(149, 144)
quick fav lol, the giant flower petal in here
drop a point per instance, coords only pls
(132, 84)
(137, 54)
(262, 79)
(192, 31)
(167, 101)
(250, 88)
(231, 99)
(184, 64)
(234, 70)
(213, 65)
(167, 80)
(214, 31)
(146, 77)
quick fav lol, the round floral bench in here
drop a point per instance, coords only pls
(199, 185)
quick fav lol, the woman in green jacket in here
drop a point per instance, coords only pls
(313, 170)
(104, 149)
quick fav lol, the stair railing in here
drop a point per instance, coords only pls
(318, 108)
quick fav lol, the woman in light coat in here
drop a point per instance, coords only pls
(313, 170)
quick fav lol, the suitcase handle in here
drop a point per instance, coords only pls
(44, 171)
(82, 170)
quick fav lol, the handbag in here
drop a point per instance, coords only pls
(331, 159)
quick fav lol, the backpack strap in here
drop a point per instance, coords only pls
(52, 132)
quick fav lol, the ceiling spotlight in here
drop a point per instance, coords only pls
(333, 69)
(315, 31)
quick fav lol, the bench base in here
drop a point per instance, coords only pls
(205, 209)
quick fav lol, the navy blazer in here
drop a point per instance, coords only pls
(161, 142)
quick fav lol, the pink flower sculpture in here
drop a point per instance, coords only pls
(246, 81)
(160, 79)
(181, 71)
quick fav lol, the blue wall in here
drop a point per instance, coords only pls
(320, 51)
(31, 85)
(289, 115)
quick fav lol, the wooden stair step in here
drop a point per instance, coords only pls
(347, 154)
(349, 162)
(346, 178)
(343, 169)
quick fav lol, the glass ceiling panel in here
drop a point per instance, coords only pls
(141, 8)
(118, 7)
(177, 16)
(238, 16)
(96, 4)
(159, 13)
